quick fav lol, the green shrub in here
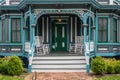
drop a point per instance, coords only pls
(117, 67)
(110, 65)
(3, 64)
(15, 66)
(98, 65)
(3, 67)
(110, 68)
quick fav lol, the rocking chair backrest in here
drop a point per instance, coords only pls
(38, 41)
(79, 40)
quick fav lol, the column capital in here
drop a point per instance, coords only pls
(85, 25)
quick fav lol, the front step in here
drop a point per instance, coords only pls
(59, 64)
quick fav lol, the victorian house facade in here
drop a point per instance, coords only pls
(59, 35)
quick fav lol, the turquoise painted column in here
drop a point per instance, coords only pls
(32, 34)
(23, 32)
(85, 25)
(96, 32)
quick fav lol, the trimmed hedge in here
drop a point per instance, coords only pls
(15, 66)
(117, 67)
(98, 65)
(3, 64)
(101, 65)
(11, 65)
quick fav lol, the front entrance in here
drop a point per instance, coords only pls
(59, 37)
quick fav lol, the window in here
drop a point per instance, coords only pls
(16, 30)
(5, 30)
(114, 30)
(102, 29)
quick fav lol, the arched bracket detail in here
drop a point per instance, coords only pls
(83, 14)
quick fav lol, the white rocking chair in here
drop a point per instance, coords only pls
(41, 48)
(78, 46)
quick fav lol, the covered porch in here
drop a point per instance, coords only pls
(61, 32)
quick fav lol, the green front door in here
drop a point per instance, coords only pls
(59, 37)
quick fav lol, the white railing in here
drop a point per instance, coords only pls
(89, 47)
(31, 52)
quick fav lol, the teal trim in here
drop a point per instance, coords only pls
(117, 44)
(96, 40)
(10, 30)
(95, 3)
(0, 31)
(11, 44)
(29, 68)
(67, 34)
(108, 54)
(117, 29)
(11, 54)
(108, 30)
(22, 32)
(31, 30)
(88, 68)
(50, 34)
(2, 18)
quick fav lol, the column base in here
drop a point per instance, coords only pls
(88, 68)
(29, 68)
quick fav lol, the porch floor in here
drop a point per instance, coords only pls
(61, 53)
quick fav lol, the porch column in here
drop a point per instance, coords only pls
(23, 32)
(32, 33)
(85, 25)
(94, 32)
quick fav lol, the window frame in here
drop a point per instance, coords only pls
(113, 28)
(12, 30)
(107, 18)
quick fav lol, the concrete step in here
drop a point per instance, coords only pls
(59, 62)
(58, 70)
(58, 66)
(60, 57)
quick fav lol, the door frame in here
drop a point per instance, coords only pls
(67, 30)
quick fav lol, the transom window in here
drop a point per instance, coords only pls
(102, 29)
(16, 30)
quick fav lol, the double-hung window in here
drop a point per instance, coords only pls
(5, 31)
(102, 29)
(16, 23)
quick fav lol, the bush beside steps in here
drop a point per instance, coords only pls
(11, 65)
(101, 65)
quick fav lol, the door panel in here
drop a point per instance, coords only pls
(59, 37)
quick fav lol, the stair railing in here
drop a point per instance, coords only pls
(31, 53)
(89, 47)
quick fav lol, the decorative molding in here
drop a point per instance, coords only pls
(79, 12)
(85, 25)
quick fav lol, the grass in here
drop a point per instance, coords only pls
(109, 77)
(7, 77)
